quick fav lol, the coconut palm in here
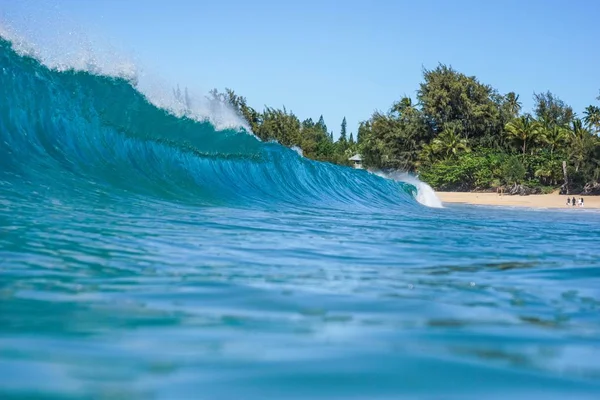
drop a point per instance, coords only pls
(449, 143)
(582, 143)
(513, 104)
(404, 104)
(525, 131)
(549, 172)
(592, 117)
(556, 136)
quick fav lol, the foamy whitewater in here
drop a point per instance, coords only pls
(152, 248)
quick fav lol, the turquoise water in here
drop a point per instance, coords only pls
(148, 256)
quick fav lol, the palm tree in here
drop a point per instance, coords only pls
(592, 117)
(552, 134)
(449, 143)
(524, 130)
(549, 172)
(402, 109)
(556, 136)
(403, 104)
(513, 104)
(582, 143)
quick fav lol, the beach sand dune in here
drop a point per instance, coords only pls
(537, 201)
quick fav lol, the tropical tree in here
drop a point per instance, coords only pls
(449, 143)
(582, 142)
(549, 172)
(555, 136)
(403, 106)
(524, 130)
(280, 125)
(456, 134)
(513, 104)
(363, 129)
(552, 109)
(449, 96)
(592, 118)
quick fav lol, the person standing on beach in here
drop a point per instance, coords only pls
(568, 201)
(573, 201)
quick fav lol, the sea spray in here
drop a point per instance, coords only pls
(425, 193)
(102, 129)
(73, 50)
(298, 150)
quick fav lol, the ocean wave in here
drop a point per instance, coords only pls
(70, 124)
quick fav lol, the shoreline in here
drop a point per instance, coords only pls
(555, 201)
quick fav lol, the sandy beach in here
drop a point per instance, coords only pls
(536, 201)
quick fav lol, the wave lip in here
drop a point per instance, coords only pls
(424, 193)
(64, 125)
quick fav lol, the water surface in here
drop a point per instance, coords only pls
(148, 256)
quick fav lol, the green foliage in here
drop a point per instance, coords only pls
(545, 168)
(481, 170)
(583, 147)
(321, 125)
(394, 140)
(525, 131)
(448, 96)
(363, 130)
(284, 127)
(342, 143)
(449, 143)
(550, 108)
(555, 136)
(512, 104)
(343, 137)
(460, 135)
(466, 172)
(252, 117)
(513, 171)
(592, 118)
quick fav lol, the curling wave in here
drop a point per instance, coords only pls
(76, 130)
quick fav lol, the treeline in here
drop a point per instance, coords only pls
(459, 135)
(286, 128)
(462, 135)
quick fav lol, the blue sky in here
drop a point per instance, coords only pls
(346, 58)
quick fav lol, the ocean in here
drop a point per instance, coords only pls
(146, 255)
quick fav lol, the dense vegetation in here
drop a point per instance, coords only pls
(315, 140)
(460, 135)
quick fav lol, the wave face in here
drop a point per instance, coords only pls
(77, 129)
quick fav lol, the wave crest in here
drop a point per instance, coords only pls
(66, 125)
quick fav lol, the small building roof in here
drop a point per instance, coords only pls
(356, 157)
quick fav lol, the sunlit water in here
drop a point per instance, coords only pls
(148, 256)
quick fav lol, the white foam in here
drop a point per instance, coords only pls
(425, 193)
(298, 150)
(72, 49)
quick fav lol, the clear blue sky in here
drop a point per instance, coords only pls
(349, 58)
